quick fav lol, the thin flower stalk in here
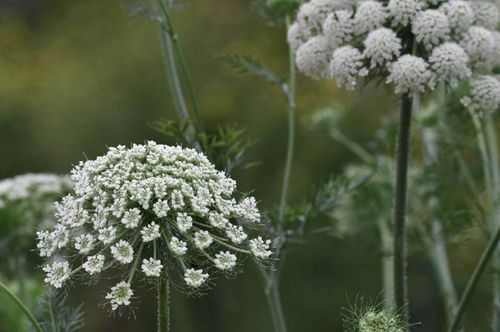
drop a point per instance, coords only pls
(21, 306)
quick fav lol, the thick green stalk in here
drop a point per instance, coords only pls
(163, 297)
(386, 241)
(21, 305)
(400, 197)
(474, 280)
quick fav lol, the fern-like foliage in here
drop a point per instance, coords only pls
(245, 64)
(54, 315)
(226, 147)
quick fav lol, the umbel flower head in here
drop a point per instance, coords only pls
(26, 204)
(145, 210)
(372, 318)
(410, 44)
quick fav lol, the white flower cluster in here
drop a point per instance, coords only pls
(150, 207)
(413, 44)
(27, 203)
(32, 186)
(484, 94)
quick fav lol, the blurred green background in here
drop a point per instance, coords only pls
(79, 76)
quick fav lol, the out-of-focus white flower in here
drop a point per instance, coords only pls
(296, 36)
(410, 74)
(404, 11)
(370, 15)
(338, 27)
(120, 295)
(486, 14)
(313, 57)
(430, 28)
(312, 14)
(346, 65)
(479, 43)
(484, 94)
(460, 15)
(449, 62)
(381, 46)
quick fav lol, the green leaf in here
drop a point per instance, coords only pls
(244, 64)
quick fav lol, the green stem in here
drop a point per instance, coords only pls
(290, 101)
(167, 25)
(435, 243)
(483, 149)
(271, 291)
(163, 296)
(21, 305)
(400, 197)
(357, 149)
(474, 280)
(491, 140)
(386, 241)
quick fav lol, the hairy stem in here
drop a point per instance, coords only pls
(163, 297)
(474, 280)
(21, 306)
(400, 196)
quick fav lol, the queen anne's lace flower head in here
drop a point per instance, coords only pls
(449, 63)
(411, 43)
(484, 94)
(313, 56)
(346, 65)
(312, 14)
(404, 11)
(338, 27)
(486, 14)
(296, 36)
(381, 46)
(410, 74)
(459, 13)
(479, 43)
(370, 15)
(150, 207)
(430, 28)
(27, 204)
